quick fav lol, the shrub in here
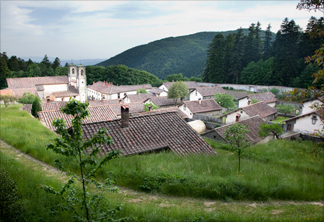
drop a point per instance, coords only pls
(36, 107)
(275, 91)
(28, 98)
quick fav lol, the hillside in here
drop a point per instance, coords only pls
(183, 54)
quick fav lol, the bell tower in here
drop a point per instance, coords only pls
(81, 83)
(72, 76)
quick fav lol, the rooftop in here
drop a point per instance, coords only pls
(207, 105)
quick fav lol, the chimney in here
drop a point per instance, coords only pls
(203, 86)
(150, 108)
(199, 101)
(124, 116)
(119, 101)
(249, 102)
(93, 83)
(138, 92)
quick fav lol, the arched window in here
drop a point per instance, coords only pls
(73, 71)
(81, 72)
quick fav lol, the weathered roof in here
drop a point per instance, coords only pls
(109, 89)
(210, 91)
(254, 127)
(40, 87)
(163, 101)
(320, 113)
(150, 132)
(313, 98)
(238, 95)
(267, 97)
(20, 92)
(46, 106)
(156, 90)
(30, 82)
(207, 105)
(6, 92)
(96, 113)
(140, 97)
(137, 107)
(190, 84)
(165, 110)
(259, 108)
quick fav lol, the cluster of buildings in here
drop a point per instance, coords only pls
(120, 109)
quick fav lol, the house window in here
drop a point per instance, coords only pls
(196, 93)
(184, 107)
(81, 72)
(118, 95)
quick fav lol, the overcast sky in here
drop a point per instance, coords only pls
(102, 29)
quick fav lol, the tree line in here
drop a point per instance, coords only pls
(250, 59)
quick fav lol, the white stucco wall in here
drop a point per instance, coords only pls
(243, 102)
(48, 89)
(231, 118)
(186, 111)
(273, 105)
(195, 95)
(304, 124)
(163, 87)
(306, 106)
(95, 94)
(162, 94)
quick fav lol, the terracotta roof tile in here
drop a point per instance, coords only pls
(30, 82)
(150, 132)
(267, 97)
(254, 127)
(237, 94)
(133, 107)
(163, 101)
(210, 91)
(140, 97)
(165, 110)
(109, 89)
(156, 90)
(20, 92)
(96, 113)
(259, 108)
(207, 105)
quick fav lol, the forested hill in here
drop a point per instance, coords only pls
(183, 54)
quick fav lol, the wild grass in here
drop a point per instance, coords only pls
(279, 119)
(278, 170)
(41, 206)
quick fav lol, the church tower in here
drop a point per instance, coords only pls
(72, 76)
(81, 83)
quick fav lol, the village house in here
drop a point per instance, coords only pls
(106, 90)
(53, 88)
(45, 106)
(158, 92)
(311, 104)
(253, 123)
(162, 102)
(241, 97)
(205, 92)
(208, 107)
(307, 123)
(266, 112)
(190, 84)
(149, 133)
(268, 97)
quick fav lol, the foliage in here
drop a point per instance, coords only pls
(36, 107)
(175, 77)
(275, 91)
(146, 106)
(83, 204)
(266, 129)
(141, 91)
(235, 135)
(311, 5)
(285, 108)
(28, 98)
(10, 207)
(178, 90)
(254, 100)
(7, 99)
(225, 100)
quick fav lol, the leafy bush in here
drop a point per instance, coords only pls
(28, 98)
(10, 207)
(36, 107)
(141, 91)
(275, 91)
(225, 100)
(7, 99)
(146, 106)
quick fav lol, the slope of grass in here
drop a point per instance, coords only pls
(279, 170)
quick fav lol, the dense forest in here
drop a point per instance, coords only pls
(14, 67)
(247, 59)
(183, 54)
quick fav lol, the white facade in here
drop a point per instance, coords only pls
(163, 87)
(162, 94)
(307, 105)
(243, 102)
(273, 105)
(304, 124)
(186, 110)
(49, 89)
(231, 118)
(195, 95)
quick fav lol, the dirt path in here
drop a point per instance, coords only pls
(161, 201)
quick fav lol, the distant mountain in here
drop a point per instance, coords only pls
(173, 55)
(85, 62)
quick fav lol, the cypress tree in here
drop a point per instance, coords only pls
(36, 107)
(267, 47)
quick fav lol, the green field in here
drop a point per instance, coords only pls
(272, 176)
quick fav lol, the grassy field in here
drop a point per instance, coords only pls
(279, 119)
(276, 171)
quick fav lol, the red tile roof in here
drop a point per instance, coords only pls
(150, 132)
(20, 92)
(207, 105)
(210, 91)
(96, 113)
(133, 107)
(254, 127)
(109, 89)
(163, 101)
(259, 108)
(30, 82)
(267, 97)
(140, 97)
(165, 110)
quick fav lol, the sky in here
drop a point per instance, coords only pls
(102, 29)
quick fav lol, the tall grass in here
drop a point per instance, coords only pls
(280, 170)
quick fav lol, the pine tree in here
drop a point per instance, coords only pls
(267, 47)
(238, 56)
(46, 62)
(56, 63)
